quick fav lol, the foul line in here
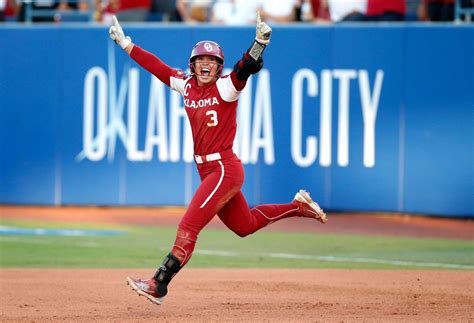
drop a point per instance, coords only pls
(6, 230)
(339, 259)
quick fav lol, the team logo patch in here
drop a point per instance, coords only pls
(208, 47)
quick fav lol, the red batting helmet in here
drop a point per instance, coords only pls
(209, 48)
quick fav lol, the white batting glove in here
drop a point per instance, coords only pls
(263, 31)
(117, 35)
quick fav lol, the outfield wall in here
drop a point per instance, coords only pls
(367, 118)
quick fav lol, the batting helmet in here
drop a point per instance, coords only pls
(208, 48)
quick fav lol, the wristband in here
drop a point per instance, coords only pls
(256, 50)
(124, 43)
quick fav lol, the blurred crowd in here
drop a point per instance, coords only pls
(235, 12)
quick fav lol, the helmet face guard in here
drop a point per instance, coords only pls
(207, 48)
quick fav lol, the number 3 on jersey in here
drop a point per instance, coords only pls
(213, 118)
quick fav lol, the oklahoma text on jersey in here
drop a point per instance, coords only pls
(200, 103)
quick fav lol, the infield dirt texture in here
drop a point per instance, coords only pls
(259, 295)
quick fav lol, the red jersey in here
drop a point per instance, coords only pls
(378, 7)
(211, 109)
(212, 112)
(135, 4)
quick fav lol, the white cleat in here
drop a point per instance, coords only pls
(308, 207)
(147, 288)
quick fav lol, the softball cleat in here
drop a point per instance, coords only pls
(308, 207)
(147, 288)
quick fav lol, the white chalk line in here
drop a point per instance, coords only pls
(339, 259)
(38, 241)
(296, 256)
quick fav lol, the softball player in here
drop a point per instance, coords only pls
(210, 101)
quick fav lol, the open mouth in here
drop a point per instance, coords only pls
(205, 71)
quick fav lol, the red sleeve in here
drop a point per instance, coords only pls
(153, 64)
(238, 84)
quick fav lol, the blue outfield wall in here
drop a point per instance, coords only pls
(367, 118)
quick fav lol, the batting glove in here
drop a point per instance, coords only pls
(117, 35)
(263, 31)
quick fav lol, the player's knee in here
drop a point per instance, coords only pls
(243, 232)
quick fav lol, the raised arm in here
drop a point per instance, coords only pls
(118, 36)
(144, 58)
(252, 61)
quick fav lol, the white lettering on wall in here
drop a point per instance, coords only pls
(255, 134)
(156, 129)
(310, 144)
(344, 77)
(167, 128)
(133, 153)
(369, 103)
(262, 130)
(95, 146)
(242, 138)
(325, 117)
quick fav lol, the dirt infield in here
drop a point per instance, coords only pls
(263, 295)
(216, 295)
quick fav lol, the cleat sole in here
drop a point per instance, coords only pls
(303, 196)
(154, 300)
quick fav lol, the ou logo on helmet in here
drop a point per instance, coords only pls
(208, 47)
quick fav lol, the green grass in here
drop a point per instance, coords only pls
(144, 247)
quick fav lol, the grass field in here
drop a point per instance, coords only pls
(144, 247)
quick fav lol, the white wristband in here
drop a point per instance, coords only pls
(263, 41)
(124, 43)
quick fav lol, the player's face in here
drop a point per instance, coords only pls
(205, 68)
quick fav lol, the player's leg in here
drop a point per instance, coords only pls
(217, 187)
(242, 220)
(195, 218)
(156, 288)
(237, 216)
